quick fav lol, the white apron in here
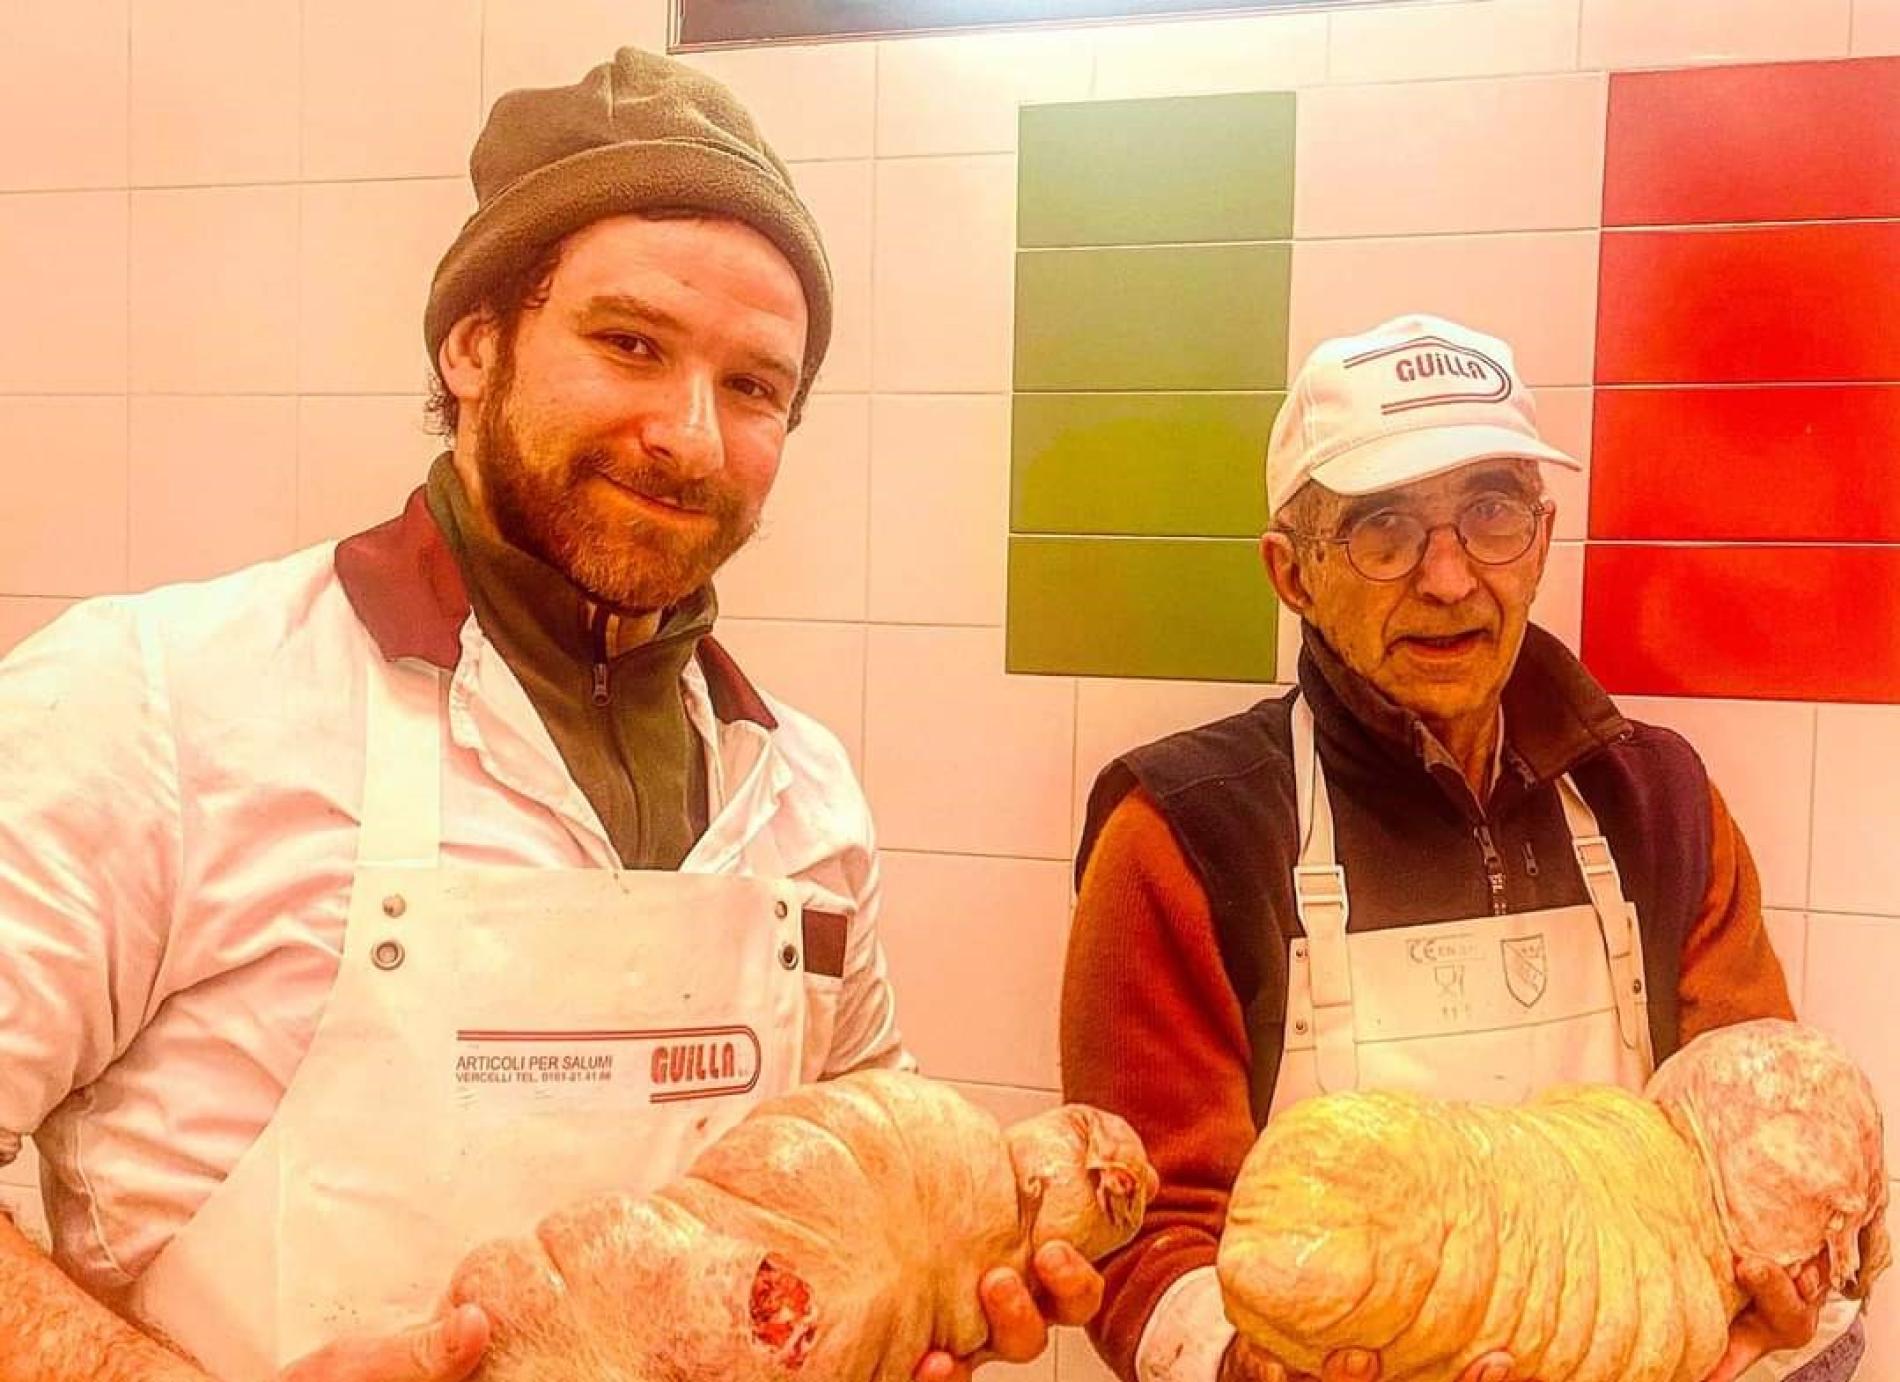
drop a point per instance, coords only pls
(1491, 1008)
(499, 1041)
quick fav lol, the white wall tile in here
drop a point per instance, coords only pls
(1113, 716)
(808, 560)
(368, 253)
(1389, 43)
(20, 1198)
(975, 948)
(961, 757)
(943, 278)
(1642, 33)
(1877, 32)
(1856, 803)
(1558, 608)
(391, 88)
(1760, 755)
(960, 94)
(814, 101)
(1005, 1103)
(21, 615)
(214, 290)
(1537, 291)
(812, 667)
(1565, 417)
(1788, 933)
(213, 485)
(1849, 995)
(1208, 56)
(358, 458)
(1882, 1358)
(62, 277)
(216, 91)
(1077, 1360)
(939, 509)
(62, 94)
(839, 197)
(24, 1169)
(63, 471)
(533, 43)
(1515, 153)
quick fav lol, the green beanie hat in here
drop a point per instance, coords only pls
(640, 132)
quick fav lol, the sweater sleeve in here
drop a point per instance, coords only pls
(1729, 970)
(1152, 1030)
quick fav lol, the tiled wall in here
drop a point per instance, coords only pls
(214, 249)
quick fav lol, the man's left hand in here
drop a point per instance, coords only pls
(1783, 1311)
(1068, 1291)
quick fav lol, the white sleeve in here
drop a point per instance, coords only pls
(866, 1032)
(1187, 1334)
(88, 855)
(1832, 1355)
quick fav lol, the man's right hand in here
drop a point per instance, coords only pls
(448, 1349)
(1245, 1362)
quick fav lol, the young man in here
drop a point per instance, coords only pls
(1446, 776)
(309, 875)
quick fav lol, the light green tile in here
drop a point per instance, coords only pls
(1181, 317)
(1181, 170)
(1163, 464)
(1193, 608)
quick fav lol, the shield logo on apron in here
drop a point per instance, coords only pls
(1525, 968)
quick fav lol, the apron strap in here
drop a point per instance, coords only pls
(1319, 896)
(402, 769)
(1621, 946)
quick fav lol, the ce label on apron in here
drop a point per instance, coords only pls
(499, 1041)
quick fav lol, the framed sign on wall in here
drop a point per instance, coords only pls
(732, 23)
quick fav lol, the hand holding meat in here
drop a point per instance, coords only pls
(1591, 1234)
(839, 1233)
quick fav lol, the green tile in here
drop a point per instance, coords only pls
(1193, 608)
(1182, 170)
(1160, 464)
(1183, 317)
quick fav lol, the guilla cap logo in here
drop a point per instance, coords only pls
(1429, 370)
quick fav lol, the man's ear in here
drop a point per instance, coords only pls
(467, 358)
(1282, 561)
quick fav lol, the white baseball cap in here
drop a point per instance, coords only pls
(1412, 398)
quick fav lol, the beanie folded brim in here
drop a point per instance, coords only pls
(677, 174)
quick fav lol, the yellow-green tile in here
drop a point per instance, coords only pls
(1161, 464)
(1192, 608)
(1188, 317)
(1178, 170)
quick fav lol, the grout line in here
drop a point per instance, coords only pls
(1814, 801)
(126, 578)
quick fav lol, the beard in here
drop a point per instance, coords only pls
(548, 507)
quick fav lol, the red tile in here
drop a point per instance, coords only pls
(1797, 141)
(1753, 623)
(1757, 305)
(1800, 463)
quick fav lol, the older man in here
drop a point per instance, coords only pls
(1451, 779)
(311, 875)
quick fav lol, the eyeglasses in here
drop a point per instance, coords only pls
(1494, 530)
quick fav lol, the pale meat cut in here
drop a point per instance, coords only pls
(1592, 1233)
(837, 1233)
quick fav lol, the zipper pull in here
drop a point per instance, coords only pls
(1493, 868)
(1530, 860)
(597, 627)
